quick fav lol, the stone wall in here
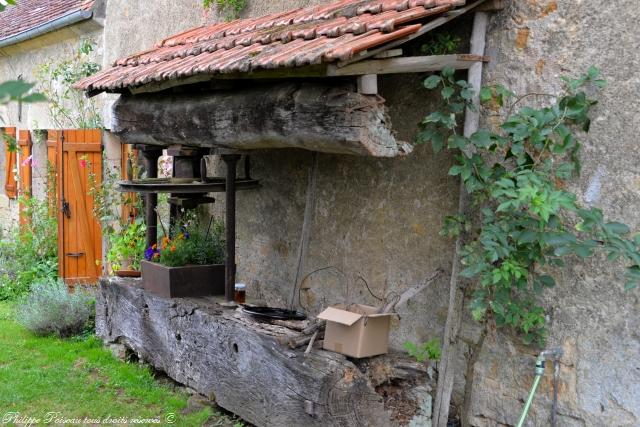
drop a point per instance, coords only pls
(533, 43)
(379, 218)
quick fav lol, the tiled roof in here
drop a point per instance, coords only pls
(314, 35)
(29, 14)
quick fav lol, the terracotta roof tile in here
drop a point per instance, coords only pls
(314, 35)
(30, 14)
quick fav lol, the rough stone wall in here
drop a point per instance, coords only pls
(595, 322)
(374, 218)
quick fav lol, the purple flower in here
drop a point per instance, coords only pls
(148, 254)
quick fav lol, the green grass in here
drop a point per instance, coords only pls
(78, 378)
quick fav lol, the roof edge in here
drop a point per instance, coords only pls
(56, 24)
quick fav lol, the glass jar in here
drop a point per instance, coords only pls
(240, 293)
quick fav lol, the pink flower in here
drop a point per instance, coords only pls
(83, 163)
(29, 161)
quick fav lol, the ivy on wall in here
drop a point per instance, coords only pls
(525, 221)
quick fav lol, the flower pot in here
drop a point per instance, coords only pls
(181, 282)
(127, 273)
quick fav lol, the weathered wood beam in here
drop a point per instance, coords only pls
(451, 346)
(389, 54)
(322, 116)
(238, 362)
(411, 64)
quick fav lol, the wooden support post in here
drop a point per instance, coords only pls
(231, 161)
(150, 156)
(368, 84)
(446, 369)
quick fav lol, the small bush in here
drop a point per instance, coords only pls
(51, 310)
(29, 253)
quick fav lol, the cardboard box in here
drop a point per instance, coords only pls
(356, 331)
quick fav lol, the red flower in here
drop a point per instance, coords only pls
(83, 163)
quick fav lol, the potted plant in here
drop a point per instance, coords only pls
(126, 249)
(120, 219)
(189, 263)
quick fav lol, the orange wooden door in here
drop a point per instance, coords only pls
(79, 233)
(10, 164)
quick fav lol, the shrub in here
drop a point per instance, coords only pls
(29, 253)
(50, 309)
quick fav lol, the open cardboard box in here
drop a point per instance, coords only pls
(356, 330)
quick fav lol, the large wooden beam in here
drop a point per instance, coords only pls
(238, 362)
(324, 116)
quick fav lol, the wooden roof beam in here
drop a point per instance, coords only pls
(410, 64)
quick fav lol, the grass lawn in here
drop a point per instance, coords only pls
(77, 378)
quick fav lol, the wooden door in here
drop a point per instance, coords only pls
(79, 234)
(10, 185)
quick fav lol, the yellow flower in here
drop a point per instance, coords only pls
(173, 248)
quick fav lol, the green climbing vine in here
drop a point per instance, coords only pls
(229, 9)
(69, 107)
(525, 221)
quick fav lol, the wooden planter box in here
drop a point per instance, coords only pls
(181, 282)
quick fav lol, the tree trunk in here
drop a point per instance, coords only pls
(237, 361)
(327, 117)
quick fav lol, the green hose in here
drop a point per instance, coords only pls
(536, 381)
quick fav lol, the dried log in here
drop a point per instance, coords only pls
(227, 356)
(325, 116)
(300, 341)
(310, 345)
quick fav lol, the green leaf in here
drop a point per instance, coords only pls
(486, 94)
(448, 72)
(432, 82)
(34, 97)
(482, 139)
(558, 239)
(630, 286)
(565, 170)
(447, 92)
(583, 251)
(616, 228)
(458, 142)
(527, 236)
(547, 281)
(437, 142)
